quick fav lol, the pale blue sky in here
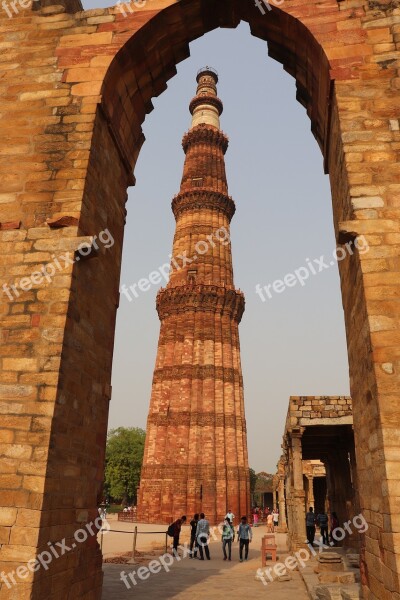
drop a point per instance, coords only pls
(292, 344)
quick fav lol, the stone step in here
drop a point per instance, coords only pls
(344, 577)
(338, 592)
(328, 592)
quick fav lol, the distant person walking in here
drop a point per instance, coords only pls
(255, 517)
(310, 526)
(275, 515)
(193, 541)
(322, 520)
(229, 515)
(202, 536)
(270, 523)
(176, 530)
(245, 535)
(228, 536)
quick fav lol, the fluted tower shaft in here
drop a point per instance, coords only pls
(196, 449)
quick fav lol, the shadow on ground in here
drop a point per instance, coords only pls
(191, 579)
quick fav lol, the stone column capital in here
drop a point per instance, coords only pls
(297, 432)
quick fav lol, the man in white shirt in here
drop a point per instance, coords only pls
(229, 515)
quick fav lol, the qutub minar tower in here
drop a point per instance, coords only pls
(195, 457)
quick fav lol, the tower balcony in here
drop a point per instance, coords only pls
(200, 297)
(205, 134)
(203, 199)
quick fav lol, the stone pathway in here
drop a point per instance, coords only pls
(207, 580)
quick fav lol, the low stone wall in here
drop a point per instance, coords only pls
(127, 517)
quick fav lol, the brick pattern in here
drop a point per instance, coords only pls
(318, 407)
(75, 88)
(196, 433)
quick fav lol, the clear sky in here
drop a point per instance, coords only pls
(293, 343)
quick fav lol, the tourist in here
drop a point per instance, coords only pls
(310, 526)
(255, 517)
(202, 536)
(334, 525)
(177, 526)
(322, 520)
(275, 515)
(228, 536)
(193, 542)
(229, 515)
(245, 535)
(270, 523)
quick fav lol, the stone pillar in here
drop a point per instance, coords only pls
(310, 497)
(343, 500)
(282, 506)
(354, 477)
(289, 513)
(298, 533)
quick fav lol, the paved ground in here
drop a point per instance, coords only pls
(191, 579)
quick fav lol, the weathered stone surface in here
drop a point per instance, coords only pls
(328, 592)
(332, 577)
(353, 560)
(7, 516)
(325, 567)
(351, 592)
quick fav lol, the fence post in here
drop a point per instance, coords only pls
(134, 543)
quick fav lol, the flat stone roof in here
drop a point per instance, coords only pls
(307, 411)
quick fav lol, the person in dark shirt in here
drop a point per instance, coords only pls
(193, 542)
(322, 520)
(245, 535)
(177, 531)
(310, 526)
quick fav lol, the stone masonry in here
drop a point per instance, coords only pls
(75, 88)
(312, 470)
(195, 457)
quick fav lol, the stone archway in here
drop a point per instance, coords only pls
(75, 91)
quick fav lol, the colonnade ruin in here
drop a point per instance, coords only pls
(318, 462)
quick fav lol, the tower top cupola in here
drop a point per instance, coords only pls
(206, 107)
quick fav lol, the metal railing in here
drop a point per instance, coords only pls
(135, 533)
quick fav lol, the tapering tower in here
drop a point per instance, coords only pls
(196, 448)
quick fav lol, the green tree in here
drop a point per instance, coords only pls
(263, 481)
(124, 457)
(253, 480)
